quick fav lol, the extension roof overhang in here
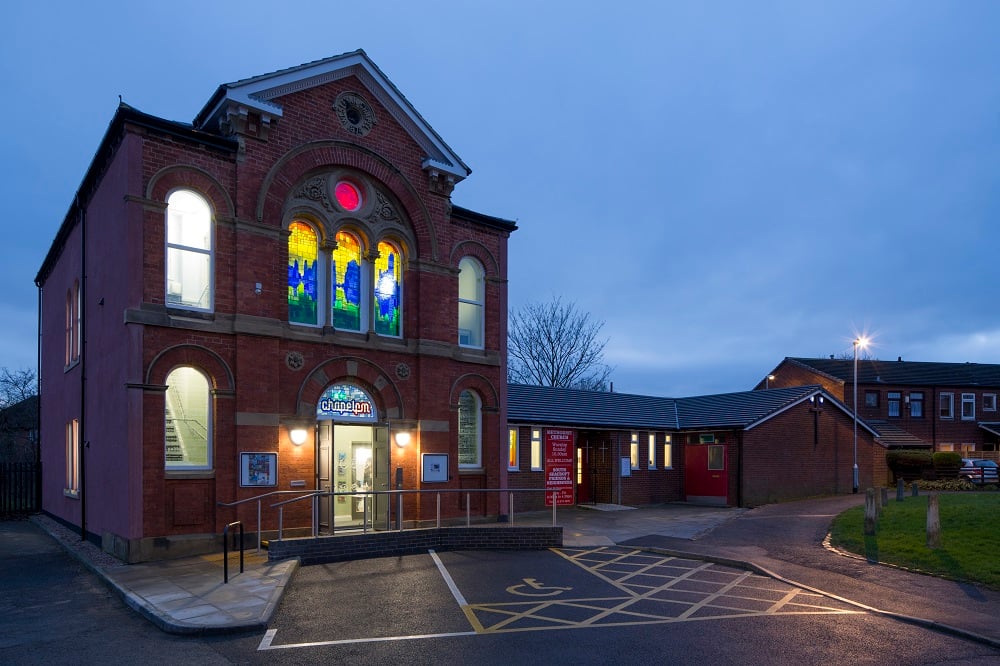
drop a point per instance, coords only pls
(261, 93)
(903, 373)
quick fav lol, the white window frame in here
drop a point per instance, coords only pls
(634, 451)
(668, 453)
(969, 400)
(537, 457)
(513, 445)
(477, 434)
(72, 488)
(474, 338)
(989, 402)
(174, 467)
(209, 287)
(651, 463)
(946, 405)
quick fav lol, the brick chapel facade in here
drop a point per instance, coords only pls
(277, 297)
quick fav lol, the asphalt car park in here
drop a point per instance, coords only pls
(453, 594)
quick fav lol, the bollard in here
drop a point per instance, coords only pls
(899, 490)
(878, 504)
(915, 490)
(871, 512)
(885, 495)
(933, 522)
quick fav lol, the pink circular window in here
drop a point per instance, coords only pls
(347, 195)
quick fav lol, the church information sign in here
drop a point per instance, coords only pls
(559, 466)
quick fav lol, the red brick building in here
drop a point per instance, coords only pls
(274, 297)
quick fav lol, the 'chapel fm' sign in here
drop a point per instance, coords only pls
(345, 402)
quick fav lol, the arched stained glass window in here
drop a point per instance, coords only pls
(347, 288)
(303, 278)
(388, 278)
(470, 430)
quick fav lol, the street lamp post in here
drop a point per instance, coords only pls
(859, 342)
(767, 381)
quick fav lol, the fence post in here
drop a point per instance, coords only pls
(899, 489)
(933, 522)
(871, 512)
(914, 488)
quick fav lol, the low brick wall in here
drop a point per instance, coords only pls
(410, 542)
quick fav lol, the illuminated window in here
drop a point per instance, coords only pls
(513, 463)
(471, 299)
(968, 406)
(668, 453)
(634, 451)
(189, 251)
(347, 278)
(946, 405)
(347, 195)
(188, 433)
(470, 443)
(303, 274)
(72, 488)
(388, 278)
(536, 450)
(652, 451)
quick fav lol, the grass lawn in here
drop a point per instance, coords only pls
(970, 536)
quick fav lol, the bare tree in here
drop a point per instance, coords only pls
(554, 344)
(18, 416)
(16, 386)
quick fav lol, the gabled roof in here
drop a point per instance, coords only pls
(899, 372)
(260, 94)
(894, 437)
(546, 405)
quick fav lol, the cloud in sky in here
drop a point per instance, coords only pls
(723, 184)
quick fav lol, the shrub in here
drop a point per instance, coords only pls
(910, 464)
(947, 464)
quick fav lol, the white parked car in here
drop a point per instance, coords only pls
(978, 471)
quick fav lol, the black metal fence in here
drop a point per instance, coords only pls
(19, 488)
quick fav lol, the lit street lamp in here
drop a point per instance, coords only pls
(861, 342)
(767, 381)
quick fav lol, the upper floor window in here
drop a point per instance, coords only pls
(968, 406)
(989, 402)
(388, 289)
(347, 304)
(917, 404)
(188, 431)
(189, 251)
(470, 430)
(73, 324)
(946, 405)
(303, 274)
(871, 399)
(892, 398)
(512, 453)
(471, 301)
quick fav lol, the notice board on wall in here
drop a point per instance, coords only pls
(559, 466)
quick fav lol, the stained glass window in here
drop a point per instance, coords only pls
(388, 274)
(346, 275)
(303, 282)
(347, 196)
(469, 431)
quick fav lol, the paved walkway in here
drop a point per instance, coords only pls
(188, 596)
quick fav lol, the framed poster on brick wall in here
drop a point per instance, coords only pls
(258, 469)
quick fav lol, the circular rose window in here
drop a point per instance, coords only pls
(347, 196)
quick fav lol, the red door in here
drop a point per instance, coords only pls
(706, 478)
(584, 479)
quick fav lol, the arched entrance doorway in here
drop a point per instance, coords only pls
(352, 460)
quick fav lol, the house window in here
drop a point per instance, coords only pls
(917, 404)
(470, 442)
(946, 408)
(947, 446)
(968, 406)
(188, 431)
(73, 324)
(471, 299)
(652, 451)
(388, 289)
(892, 398)
(72, 488)
(871, 399)
(512, 452)
(668, 453)
(536, 450)
(189, 251)
(347, 284)
(634, 451)
(303, 274)
(989, 402)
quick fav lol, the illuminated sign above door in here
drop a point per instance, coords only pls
(346, 402)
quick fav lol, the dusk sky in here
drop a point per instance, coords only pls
(723, 184)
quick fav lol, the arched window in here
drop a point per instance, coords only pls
(303, 274)
(188, 421)
(189, 251)
(388, 289)
(470, 430)
(346, 304)
(471, 299)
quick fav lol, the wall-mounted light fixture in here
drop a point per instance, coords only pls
(402, 439)
(298, 436)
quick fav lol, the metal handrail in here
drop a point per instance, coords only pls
(258, 499)
(225, 550)
(316, 494)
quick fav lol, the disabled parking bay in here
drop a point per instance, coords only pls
(466, 593)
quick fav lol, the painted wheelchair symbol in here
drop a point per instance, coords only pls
(532, 588)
